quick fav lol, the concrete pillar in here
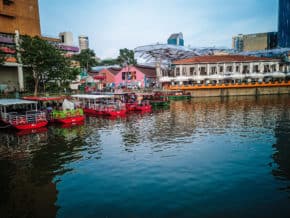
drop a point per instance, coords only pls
(224, 68)
(251, 68)
(261, 67)
(277, 67)
(208, 69)
(234, 67)
(241, 68)
(217, 69)
(198, 70)
(19, 65)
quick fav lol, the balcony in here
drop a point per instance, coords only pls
(6, 40)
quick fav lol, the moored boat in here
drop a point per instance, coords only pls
(22, 114)
(159, 99)
(178, 95)
(101, 105)
(67, 113)
(134, 101)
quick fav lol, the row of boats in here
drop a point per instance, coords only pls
(32, 112)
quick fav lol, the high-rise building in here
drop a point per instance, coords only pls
(256, 41)
(284, 24)
(66, 38)
(19, 15)
(237, 42)
(176, 39)
(83, 42)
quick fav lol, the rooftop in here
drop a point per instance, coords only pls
(221, 58)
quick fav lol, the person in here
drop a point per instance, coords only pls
(139, 99)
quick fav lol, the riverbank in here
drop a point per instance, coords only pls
(224, 90)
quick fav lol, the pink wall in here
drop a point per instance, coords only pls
(139, 76)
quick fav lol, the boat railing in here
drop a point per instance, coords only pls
(21, 119)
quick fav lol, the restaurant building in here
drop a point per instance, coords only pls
(224, 69)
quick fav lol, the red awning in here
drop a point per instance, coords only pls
(35, 98)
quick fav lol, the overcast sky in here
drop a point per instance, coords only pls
(114, 24)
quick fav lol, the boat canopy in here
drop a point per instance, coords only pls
(7, 102)
(83, 96)
(35, 98)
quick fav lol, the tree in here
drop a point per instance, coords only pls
(107, 62)
(2, 57)
(126, 57)
(87, 59)
(41, 58)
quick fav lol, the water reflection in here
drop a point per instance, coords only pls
(28, 180)
(281, 156)
(191, 154)
(20, 144)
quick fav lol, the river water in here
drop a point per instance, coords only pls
(211, 157)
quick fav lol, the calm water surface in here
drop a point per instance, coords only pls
(214, 157)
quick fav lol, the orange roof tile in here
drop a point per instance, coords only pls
(221, 58)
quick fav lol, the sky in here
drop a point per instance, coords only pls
(115, 24)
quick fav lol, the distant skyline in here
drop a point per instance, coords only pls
(115, 24)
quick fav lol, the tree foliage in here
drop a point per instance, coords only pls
(44, 61)
(108, 62)
(126, 57)
(86, 59)
(2, 57)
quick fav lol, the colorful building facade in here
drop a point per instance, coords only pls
(136, 77)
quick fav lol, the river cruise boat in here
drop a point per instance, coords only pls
(178, 95)
(59, 109)
(22, 114)
(159, 99)
(101, 105)
(134, 102)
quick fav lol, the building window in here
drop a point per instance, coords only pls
(266, 68)
(237, 68)
(273, 67)
(177, 71)
(221, 69)
(256, 68)
(229, 69)
(134, 77)
(123, 75)
(281, 67)
(245, 69)
(203, 71)
(62, 38)
(183, 71)
(213, 70)
(8, 2)
(191, 71)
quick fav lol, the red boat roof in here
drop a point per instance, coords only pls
(36, 98)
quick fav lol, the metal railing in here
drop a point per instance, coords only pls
(21, 119)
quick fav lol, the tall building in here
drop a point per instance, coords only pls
(19, 15)
(83, 42)
(176, 39)
(256, 41)
(237, 42)
(284, 24)
(66, 38)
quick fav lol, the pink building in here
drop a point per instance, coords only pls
(136, 76)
